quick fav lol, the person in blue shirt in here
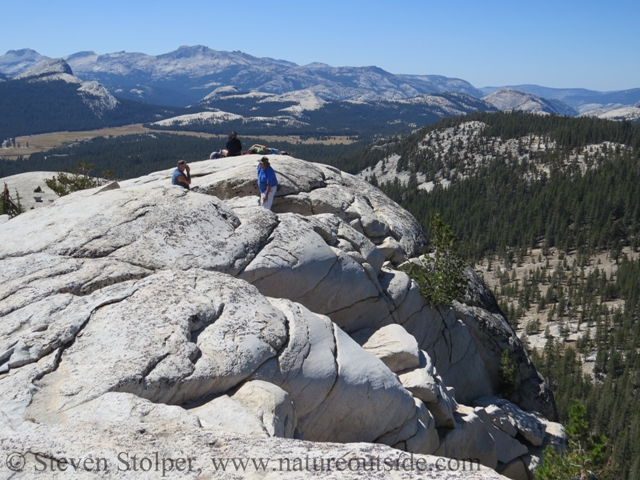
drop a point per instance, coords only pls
(182, 175)
(267, 183)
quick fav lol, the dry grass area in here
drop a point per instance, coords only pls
(47, 141)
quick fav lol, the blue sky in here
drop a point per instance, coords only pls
(563, 43)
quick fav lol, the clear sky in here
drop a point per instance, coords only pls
(591, 44)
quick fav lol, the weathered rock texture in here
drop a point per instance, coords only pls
(151, 315)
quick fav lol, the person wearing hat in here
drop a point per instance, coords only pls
(182, 175)
(267, 183)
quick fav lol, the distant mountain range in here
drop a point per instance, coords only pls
(188, 74)
(511, 99)
(49, 97)
(265, 94)
(581, 99)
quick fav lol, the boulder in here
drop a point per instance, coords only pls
(420, 384)
(507, 447)
(257, 408)
(426, 440)
(392, 250)
(391, 344)
(555, 437)
(515, 470)
(529, 425)
(470, 439)
(271, 405)
(500, 419)
(340, 391)
(223, 414)
(298, 264)
(203, 333)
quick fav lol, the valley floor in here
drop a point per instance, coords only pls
(29, 144)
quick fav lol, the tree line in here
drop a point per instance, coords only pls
(131, 156)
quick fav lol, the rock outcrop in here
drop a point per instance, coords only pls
(152, 315)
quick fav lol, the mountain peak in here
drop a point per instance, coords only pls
(193, 48)
(23, 52)
(15, 62)
(47, 68)
(188, 51)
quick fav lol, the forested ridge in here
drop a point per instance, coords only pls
(521, 190)
(587, 204)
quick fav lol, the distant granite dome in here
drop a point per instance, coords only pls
(23, 52)
(510, 99)
(15, 62)
(221, 91)
(54, 66)
(93, 94)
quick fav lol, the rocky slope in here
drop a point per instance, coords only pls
(144, 318)
(619, 114)
(455, 153)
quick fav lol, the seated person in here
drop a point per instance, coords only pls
(234, 146)
(180, 177)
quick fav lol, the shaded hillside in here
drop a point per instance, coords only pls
(48, 106)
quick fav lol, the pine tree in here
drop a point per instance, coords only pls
(440, 276)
